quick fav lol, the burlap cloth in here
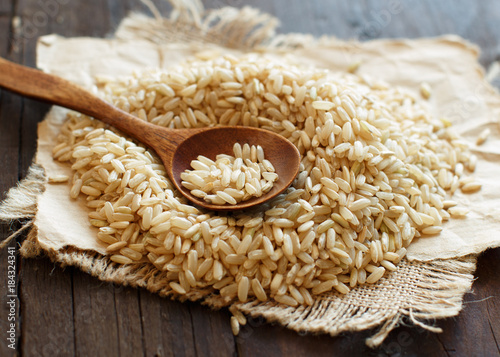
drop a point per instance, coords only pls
(429, 284)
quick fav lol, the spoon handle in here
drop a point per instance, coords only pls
(36, 84)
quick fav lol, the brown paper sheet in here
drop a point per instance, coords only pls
(448, 64)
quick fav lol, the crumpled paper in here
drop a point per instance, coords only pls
(448, 64)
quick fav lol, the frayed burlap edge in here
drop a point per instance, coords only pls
(420, 291)
(20, 203)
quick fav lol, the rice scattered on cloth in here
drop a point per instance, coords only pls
(374, 173)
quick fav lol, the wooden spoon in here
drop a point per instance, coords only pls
(175, 147)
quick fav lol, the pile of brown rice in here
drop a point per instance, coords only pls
(377, 171)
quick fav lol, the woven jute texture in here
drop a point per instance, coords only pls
(418, 291)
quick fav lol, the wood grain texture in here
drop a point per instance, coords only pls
(10, 114)
(46, 309)
(167, 326)
(95, 318)
(128, 319)
(67, 312)
(212, 332)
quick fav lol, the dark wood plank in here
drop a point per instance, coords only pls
(212, 331)
(339, 18)
(128, 319)
(167, 327)
(118, 10)
(10, 113)
(9, 155)
(10, 303)
(260, 338)
(95, 317)
(46, 310)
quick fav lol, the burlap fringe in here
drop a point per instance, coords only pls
(418, 291)
(244, 29)
(21, 200)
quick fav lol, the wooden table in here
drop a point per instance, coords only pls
(67, 312)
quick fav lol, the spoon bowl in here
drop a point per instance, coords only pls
(218, 140)
(175, 147)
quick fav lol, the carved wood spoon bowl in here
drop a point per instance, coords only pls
(175, 147)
